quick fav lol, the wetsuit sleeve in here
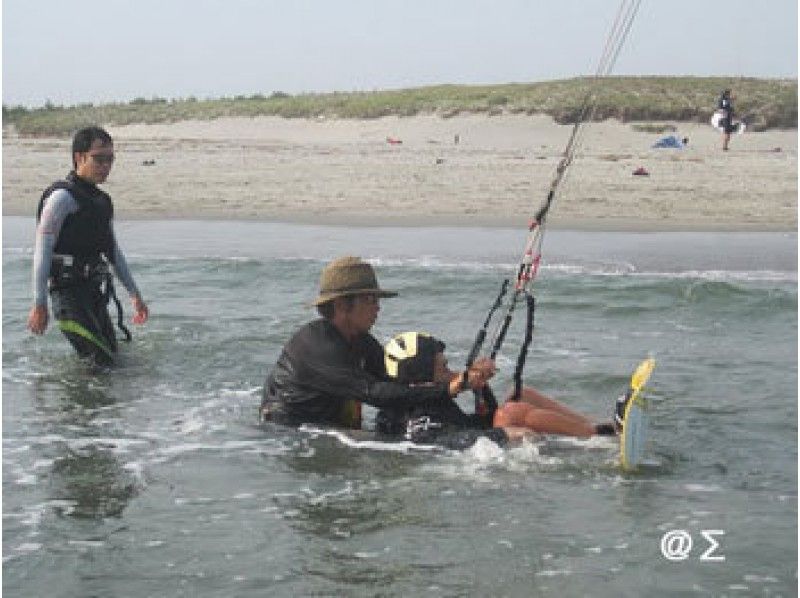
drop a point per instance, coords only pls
(356, 384)
(57, 207)
(375, 364)
(120, 265)
(318, 372)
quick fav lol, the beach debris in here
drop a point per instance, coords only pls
(641, 171)
(393, 141)
(671, 142)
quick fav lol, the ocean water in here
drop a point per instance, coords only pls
(154, 479)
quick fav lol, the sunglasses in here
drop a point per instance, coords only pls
(102, 158)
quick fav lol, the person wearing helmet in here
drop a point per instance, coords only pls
(418, 358)
(332, 365)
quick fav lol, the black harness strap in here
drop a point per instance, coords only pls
(523, 352)
(112, 294)
(482, 405)
(481, 336)
(501, 335)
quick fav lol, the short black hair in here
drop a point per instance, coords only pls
(85, 137)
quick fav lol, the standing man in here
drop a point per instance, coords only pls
(75, 244)
(725, 105)
(332, 365)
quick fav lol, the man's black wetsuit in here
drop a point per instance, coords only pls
(320, 377)
(75, 246)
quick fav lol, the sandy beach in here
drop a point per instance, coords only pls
(471, 170)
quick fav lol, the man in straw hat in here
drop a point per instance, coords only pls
(332, 365)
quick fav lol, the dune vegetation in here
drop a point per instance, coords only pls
(764, 103)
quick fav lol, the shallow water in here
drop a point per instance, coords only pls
(154, 479)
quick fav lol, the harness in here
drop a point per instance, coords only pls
(68, 272)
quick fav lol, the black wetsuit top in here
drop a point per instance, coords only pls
(443, 423)
(397, 419)
(726, 105)
(87, 233)
(319, 374)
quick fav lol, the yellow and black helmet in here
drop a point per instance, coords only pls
(409, 357)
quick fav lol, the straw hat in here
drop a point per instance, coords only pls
(348, 276)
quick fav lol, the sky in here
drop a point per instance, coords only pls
(74, 51)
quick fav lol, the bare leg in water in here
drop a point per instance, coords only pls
(539, 413)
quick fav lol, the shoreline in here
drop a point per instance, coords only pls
(749, 255)
(603, 225)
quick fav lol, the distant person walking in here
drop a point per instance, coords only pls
(75, 245)
(725, 106)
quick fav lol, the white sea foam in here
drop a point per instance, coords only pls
(21, 550)
(553, 573)
(366, 555)
(136, 469)
(586, 268)
(87, 543)
(760, 579)
(26, 480)
(245, 393)
(403, 446)
(703, 487)
(264, 446)
(30, 516)
(154, 543)
(727, 275)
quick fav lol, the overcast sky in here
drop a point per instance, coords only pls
(72, 51)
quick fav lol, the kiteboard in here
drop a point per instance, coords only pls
(716, 122)
(636, 418)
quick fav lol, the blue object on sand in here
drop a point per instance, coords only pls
(670, 142)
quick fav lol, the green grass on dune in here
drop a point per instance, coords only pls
(765, 103)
